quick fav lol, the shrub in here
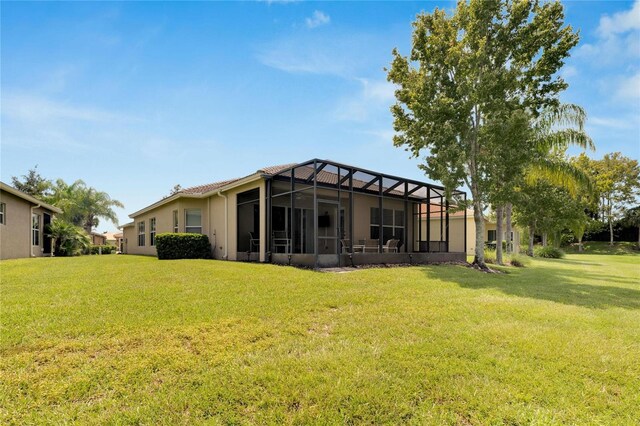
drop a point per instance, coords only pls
(548, 252)
(518, 260)
(489, 256)
(102, 249)
(183, 246)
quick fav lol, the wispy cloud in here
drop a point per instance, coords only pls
(374, 96)
(38, 109)
(618, 38)
(339, 54)
(620, 22)
(629, 88)
(318, 19)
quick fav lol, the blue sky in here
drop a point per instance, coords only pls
(134, 98)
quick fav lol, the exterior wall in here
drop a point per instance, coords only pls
(15, 233)
(362, 205)
(213, 222)
(232, 219)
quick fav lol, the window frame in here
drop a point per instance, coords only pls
(35, 229)
(152, 231)
(175, 221)
(189, 229)
(3, 213)
(397, 231)
(141, 233)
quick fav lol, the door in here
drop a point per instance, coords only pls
(46, 233)
(328, 232)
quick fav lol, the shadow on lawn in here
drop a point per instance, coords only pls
(551, 283)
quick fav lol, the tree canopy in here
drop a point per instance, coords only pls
(472, 79)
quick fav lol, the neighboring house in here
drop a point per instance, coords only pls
(111, 238)
(119, 237)
(23, 224)
(317, 213)
(98, 239)
(457, 220)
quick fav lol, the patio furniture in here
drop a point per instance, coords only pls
(391, 246)
(280, 240)
(254, 241)
(345, 244)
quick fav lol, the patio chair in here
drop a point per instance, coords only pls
(280, 240)
(346, 246)
(254, 241)
(391, 246)
(371, 245)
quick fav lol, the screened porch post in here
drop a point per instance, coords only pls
(340, 230)
(351, 202)
(269, 219)
(380, 236)
(428, 219)
(465, 222)
(290, 234)
(406, 217)
(315, 212)
(446, 227)
(441, 223)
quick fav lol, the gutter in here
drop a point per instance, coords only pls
(226, 225)
(31, 233)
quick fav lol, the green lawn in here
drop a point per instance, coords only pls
(127, 339)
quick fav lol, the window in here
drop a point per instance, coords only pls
(392, 224)
(491, 236)
(35, 229)
(141, 233)
(152, 231)
(3, 210)
(193, 221)
(175, 221)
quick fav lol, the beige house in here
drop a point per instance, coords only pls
(457, 220)
(23, 224)
(317, 213)
(98, 239)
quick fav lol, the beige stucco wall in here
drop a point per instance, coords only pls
(15, 233)
(213, 222)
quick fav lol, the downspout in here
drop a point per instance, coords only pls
(226, 226)
(31, 233)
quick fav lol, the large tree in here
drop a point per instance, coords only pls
(467, 71)
(83, 205)
(617, 181)
(32, 183)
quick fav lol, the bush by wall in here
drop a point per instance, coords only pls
(548, 252)
(105, 249)
(183, 246)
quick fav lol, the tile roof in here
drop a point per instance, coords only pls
(202, 189)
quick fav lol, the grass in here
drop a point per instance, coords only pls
(602, 247)
(134, 340)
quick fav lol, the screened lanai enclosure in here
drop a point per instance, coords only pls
(322, 214)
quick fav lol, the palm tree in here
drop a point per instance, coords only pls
(83, 205)
(96, 204)
(553, 131)
(69, 240)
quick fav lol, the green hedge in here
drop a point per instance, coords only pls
(183, 246)
(548, 252)
(105, 249)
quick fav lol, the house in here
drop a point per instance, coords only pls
(318, 213)
(456, 217)
(23, 224)
(98, 239)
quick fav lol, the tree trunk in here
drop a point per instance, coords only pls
(639, 237)
(580, 248)
(478, 258)
(544, 239)
(507, 212)
(499, 234)
(610, 231)
(531, 232)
